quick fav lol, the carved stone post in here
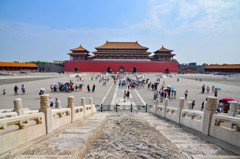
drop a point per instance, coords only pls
(179, 109)
(165, 104)
(71, 105)
(18, 106)
(233, 108)
(92, 105)
(156, 106)
(46, 109)
(83, 103)
(209, 110)
(189, 105)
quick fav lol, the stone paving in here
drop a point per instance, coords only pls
(68, 143)
(115, 135)
(122, 134)
(129, 136)
(191, 146)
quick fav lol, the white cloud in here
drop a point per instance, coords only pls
(200, 16)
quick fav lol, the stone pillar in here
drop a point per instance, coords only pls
(18, 106)
(179, 109)
(165, 104)
(46, 109)
(92, 105)
(71, 105)
(209, 110)
(161, 99)
(83, 103)
(156, 106)
(189, 105)
(233, 108)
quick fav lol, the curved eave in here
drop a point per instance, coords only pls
(163, 51)
(79, 50)
(121, 45)
(77, 53)
(165, 54)
(122, 53)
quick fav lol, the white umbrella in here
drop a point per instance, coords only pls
(42, 89)
(169, 86)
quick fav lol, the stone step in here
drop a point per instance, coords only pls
(214, 157)
(67, 143)
(190, 145)
(43, 157)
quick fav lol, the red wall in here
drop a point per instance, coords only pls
(101, 66)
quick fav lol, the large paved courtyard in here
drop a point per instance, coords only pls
(110, 94)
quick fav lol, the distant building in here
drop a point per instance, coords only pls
(120, 57)
(15, 66)
(57, 62)
(231, 68)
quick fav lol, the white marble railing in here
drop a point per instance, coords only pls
(79, 112)
(192, 119)
(18, 130)
(8, 115)
(226, 128)
(18, 127)
(61, 117)
(171, 113)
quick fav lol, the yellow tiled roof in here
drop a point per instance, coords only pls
(163, 49)
(15, 64)
(223, 66)
(121, 45)
(80, 48)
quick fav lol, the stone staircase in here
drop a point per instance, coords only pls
(191, 146)
(68, 143)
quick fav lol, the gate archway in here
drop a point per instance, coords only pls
(167, 71)
(134, 70)
(109, 70)
(121, 69)
(76, 70)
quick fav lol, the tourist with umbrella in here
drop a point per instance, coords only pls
(216, 91)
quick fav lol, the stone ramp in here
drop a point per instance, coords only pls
(124, 135)
(127, 135)
(69, 143)
(190, 145)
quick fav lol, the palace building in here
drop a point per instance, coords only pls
(16, 66)
(120, 57)
(227, 68)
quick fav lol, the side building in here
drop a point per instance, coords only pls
(226, 68)
(16, 66)
(120, 57)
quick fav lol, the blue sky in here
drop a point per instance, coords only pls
(202, 31)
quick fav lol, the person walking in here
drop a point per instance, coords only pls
(213, 88)
(208, 89)
(203, 89)
(193, 103)
(23, 89)
(88, 88)
(186, 94)
(51, 102)
(15, 90)
(128, 94)
(57, 103)
(4, 91)
(124, 95)
(93, 88)
(215, 93)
